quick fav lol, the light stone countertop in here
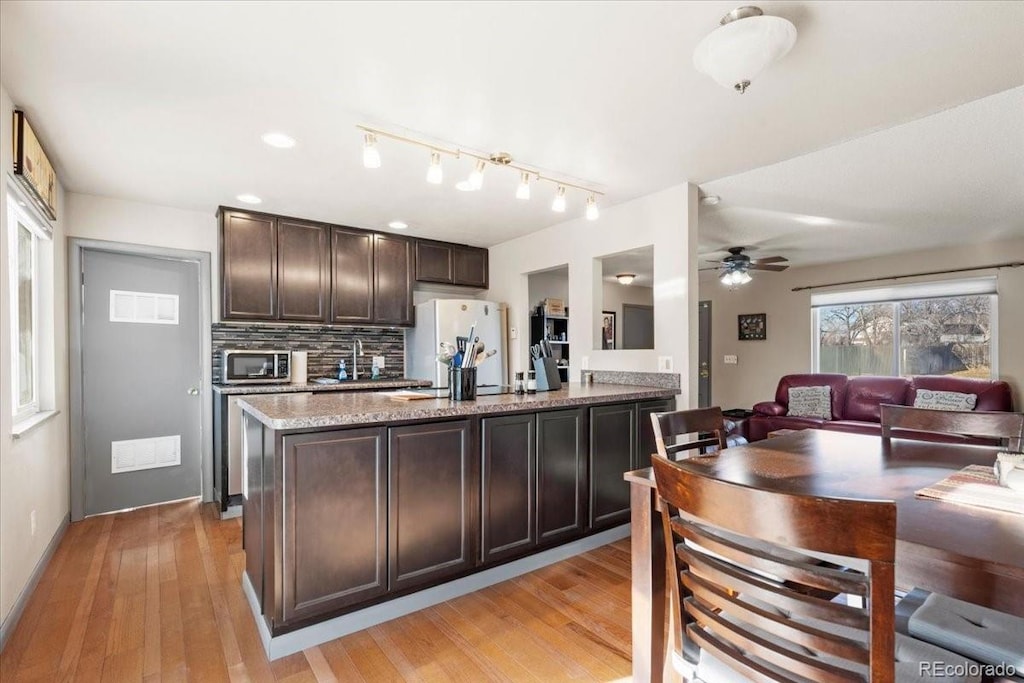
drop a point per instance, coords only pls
(306, 411)
(347, 385)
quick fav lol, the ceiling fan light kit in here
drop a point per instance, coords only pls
(735, 268)
(742, 47)
(475, 181)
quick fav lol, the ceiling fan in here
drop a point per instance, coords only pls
(734, 268)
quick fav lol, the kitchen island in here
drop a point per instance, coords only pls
(358, 508)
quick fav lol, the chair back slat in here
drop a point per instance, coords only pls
(757, 596)
(707, 423)
(1009, 427)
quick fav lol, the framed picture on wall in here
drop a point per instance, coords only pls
(753, 327)
(607, 329)
(33, 169)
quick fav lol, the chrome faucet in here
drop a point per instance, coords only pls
(357, 350)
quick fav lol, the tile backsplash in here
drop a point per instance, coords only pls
(326, 346)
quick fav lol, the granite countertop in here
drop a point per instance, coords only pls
(347, 385)
(304, 411)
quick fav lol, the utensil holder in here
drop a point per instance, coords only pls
(547, 374)
(462, 384)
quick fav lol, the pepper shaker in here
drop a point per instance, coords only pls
(531, 382)
(520, 384)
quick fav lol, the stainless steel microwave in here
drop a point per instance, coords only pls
(244, 366)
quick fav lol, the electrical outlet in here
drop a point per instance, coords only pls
(32, 521)
(585, 362)
(664, 363)
(513, 333)
(379, 361)
(731, 360)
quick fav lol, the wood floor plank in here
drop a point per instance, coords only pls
(155, 594)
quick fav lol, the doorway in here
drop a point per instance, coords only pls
(140, 376)
(703, 354)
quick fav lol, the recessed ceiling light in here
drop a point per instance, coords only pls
(279, 140)
(249, 199)
(710, 199)
(398, 225)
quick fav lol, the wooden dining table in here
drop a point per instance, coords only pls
(972, 553)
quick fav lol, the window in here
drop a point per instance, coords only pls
(29, 243)
(945, 328)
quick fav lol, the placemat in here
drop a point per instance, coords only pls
(976, 485)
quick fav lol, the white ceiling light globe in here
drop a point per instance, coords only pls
(737, 51)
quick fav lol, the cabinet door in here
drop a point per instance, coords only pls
(248, 266)
(303, 278)
(561, 468)
(508, 461)
(645, 429)
(335, 524)
(433, 262)
(469, 266)
(612, 454)
(392, 294)
(432, 512)
(351, 275)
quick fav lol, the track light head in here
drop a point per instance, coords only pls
(371, 156)
(559, 203)
(592, 211)
(523, 191)
(434, 173)
(476, 177)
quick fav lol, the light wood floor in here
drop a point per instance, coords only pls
(155, 595)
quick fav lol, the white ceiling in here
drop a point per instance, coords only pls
(640, 262)
(165, 102)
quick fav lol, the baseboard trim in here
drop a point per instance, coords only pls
(12, 618)
(296, 641)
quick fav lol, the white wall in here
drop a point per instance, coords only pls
(668, 221)
(34, 470)
(614, 295)
(551, 284)
(788, 347)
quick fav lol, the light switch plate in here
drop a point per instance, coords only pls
(585, 362)
(731, 360)
(379, 361)
(513, 333)
(664, 363)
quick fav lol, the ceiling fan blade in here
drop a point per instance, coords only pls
(777, 269)
(770, 259)
(709, 268)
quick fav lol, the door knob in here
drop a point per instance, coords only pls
(192, 391)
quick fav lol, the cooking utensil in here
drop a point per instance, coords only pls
(535, 351)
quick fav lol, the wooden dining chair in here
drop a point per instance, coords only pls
(757, 605)
(1009, 427)
(707, 423)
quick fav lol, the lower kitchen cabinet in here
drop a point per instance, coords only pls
(335, 511)
(433, 508)
(508, 459)
(613, 448)
(561, 475)
(646, 444)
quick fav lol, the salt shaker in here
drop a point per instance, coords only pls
(520, 384)
(531, 382)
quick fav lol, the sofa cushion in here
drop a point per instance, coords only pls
(992, 394)
(769, 408)
(945, 400)
(865, 394)
(810, 402)
(837, 383)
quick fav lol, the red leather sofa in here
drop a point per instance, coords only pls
(856, 400)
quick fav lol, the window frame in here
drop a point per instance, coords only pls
(18, 216)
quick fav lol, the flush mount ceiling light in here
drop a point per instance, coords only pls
(279, 140)
(249, 199)
(743, 46)
(371, 159)
(625, 278)
(710, 199)
(398, 225)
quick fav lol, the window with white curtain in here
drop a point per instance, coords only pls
(937, 328)
(29, 243)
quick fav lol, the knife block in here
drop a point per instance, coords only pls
(547, 374)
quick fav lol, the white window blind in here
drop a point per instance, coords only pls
(917, 290)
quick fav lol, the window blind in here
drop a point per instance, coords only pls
(917, 290)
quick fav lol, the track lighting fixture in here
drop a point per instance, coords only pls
(475, 180)
(559, 203)
(434, 173)
(523, 191)
(371, 156)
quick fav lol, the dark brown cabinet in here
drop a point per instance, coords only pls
(433, 519)
(613, 444)
(303, 278)
(451, 264)
(351, 276)
(335, 500)
(561, 474)
(392, 280)
(248, 248)
(508, 461)
(645, 429)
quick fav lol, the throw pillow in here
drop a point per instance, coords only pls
(811, 402)
(944, 400)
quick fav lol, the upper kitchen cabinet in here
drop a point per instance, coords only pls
(451, 264)
(303, 278)
(248, 247)
(392, 280)
(352, 275)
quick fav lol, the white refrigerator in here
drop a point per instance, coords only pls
(441, 320)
